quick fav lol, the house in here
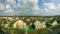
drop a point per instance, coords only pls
(39, 25)
(54, 23)
(19, 24)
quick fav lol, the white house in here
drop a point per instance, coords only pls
(39, 25)
(19, 24)
(54, 23)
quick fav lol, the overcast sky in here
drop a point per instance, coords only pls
(29, 7)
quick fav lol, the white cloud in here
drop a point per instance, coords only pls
(24, 6)
(58, 6)
(28, 6)
(1, 7)
(33, 1)
(24, 2)
(49, 7)
(46, 10)
(48, 1)
(10, 1)
(35, 8)
(9, 11)
(8, 6)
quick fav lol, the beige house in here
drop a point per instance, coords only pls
(55, 23)
(39, 25)
(19, 24)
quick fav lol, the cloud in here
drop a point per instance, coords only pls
(49, 7)
(33, 1)
(8, 6)
(24, 7)
(58, 6)
(9, 11)
(48, 1)
(35, 8)
(30, 7)
(1, 7)
(57, 1)
(10, 1)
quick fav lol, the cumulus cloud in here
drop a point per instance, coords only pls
(8, 6)
(9, 11)
(48, 1)
(36, 8)
(29, 7)
(10, 1)
(27, 4)
(58, 6)
(49, 7)
(1, 7)
(33, 1)
(24, 7)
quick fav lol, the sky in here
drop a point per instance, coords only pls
(29, 7)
